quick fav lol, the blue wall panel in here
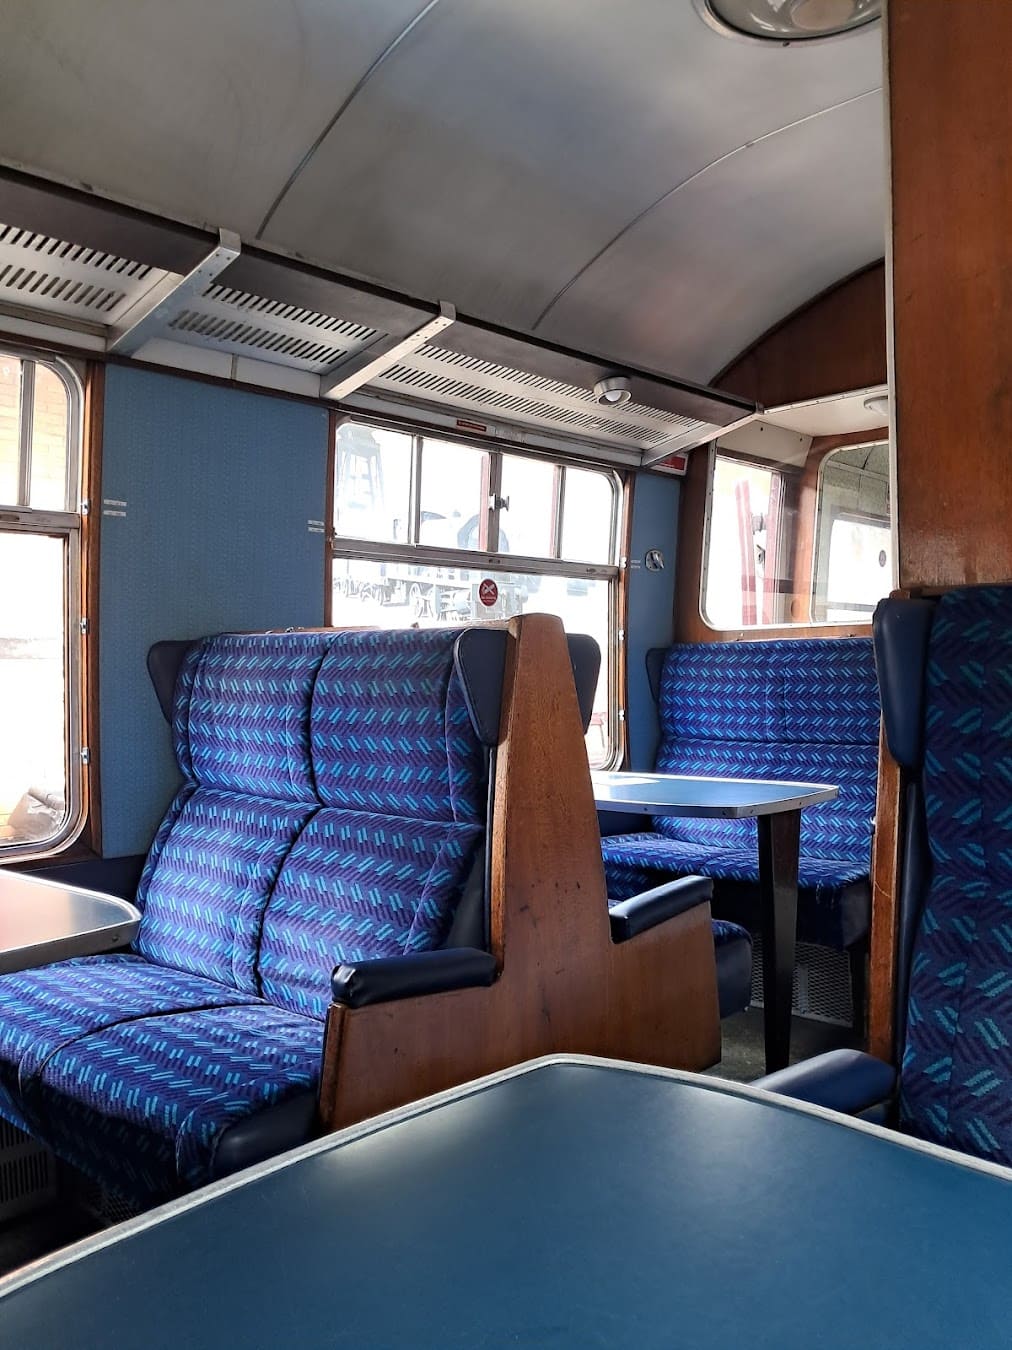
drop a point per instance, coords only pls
(219, 488)
(651, 604)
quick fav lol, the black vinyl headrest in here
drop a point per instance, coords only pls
(480, 656)
(900, 633)
(164, 661)
(655, 668)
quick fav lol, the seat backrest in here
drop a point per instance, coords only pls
(798, 710)
(401, 777)
(334, 804)
(240, 723)
(333, 800)
(947, 704)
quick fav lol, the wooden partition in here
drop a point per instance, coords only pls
(563, 985)
(950, 112)
(950, 121)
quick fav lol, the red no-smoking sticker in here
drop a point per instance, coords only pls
(488, 592)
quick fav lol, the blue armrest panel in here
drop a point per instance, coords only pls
(842, 1080)
(392, 977)
(650, 908)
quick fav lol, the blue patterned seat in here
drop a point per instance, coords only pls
(796, 710)
(946, 672)
(332, 809)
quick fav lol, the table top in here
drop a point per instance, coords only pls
(44, 921)
(668, 794)
(568, 1203)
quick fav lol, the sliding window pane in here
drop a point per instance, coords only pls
(454, 499)
(587, 517)
(372, 484)
(32, 688)
(526, 525)
(50, 416)
(10, 423)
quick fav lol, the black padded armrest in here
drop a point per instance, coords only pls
(649, 908)
(842, 1080)
(392, 977)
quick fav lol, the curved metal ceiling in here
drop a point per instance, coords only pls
(620, 179)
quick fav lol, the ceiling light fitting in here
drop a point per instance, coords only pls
(787, 21)
(614, 391)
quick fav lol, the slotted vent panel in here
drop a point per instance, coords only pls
(269, 330)
(38, 272)
(470, 384)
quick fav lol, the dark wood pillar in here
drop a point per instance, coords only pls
(950, 117)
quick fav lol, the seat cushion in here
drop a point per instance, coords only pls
(733, 952)
(833, 893)
(48, 1009)
(390, 733)
(206, 883)
(241, 713)
(636, 862)
(957, 1063)
(358, 885)
(141, 1105)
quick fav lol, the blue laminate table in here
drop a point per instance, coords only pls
(568, 1203)
(44, 921)
(777, 807)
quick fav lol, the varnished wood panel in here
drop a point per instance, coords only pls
(835, 343)
(951, 127)
(563, 986)
(884, 883)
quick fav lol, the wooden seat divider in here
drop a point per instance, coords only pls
(563, 985)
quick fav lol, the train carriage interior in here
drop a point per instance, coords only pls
(342, 342)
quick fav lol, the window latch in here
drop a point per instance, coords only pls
(497, 503)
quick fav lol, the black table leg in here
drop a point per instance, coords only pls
(779, 846)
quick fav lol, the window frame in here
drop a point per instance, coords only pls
(787, 628)
(347, 547)
(815, 602)
(22, 518)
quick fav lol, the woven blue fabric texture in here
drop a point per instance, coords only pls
(390, 731)
(724, 933)
(204, 900)
(957, 1064)
(246, 722)
(358, 885)
(796, 710)
(45, 1009)
(334, 800)
(142, 1104)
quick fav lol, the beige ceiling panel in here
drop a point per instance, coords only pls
(196, 108)
(743, 245)
(502, 145)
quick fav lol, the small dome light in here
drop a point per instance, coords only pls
(613, 391)
(788, 20)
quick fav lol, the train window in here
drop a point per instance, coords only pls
(802, 542)
(546, 532)
(372, 487)
(853, 542)
(742, 565)
(528, 505)
(40, 527)
(454, 491)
